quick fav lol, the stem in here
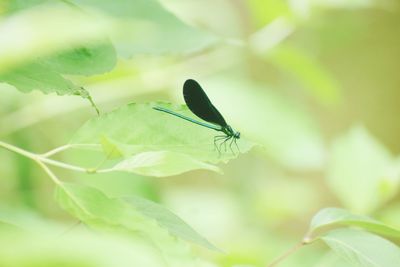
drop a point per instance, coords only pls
(18, 150)
(49, 173)
(63, 165)
(287, 253)
(56, 151)
(41, 159)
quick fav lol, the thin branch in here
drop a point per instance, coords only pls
(63, 165)
(18, 150)
(41, 159)
(287, 254)
(49, 173)
(56, 151)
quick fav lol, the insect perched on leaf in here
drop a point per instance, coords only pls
(199, 103)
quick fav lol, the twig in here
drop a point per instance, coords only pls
(287, 253)
(41, 159)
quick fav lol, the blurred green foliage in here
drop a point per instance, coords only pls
(312, 85)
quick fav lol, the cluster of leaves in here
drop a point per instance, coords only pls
(90, 29)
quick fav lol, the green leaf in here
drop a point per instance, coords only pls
(43, 23)
(90, 205)
(264, 12)
(145, 26)
(38, 77)
(12, 6)
(172, 145)
(330, 259)
(162, 163)
(362, 173)
(226, 24)
(335, 217)
(35, 76)
(362, 248)
(391, 214)
(351, 5)
(97, 210)
(95, 58)
(45, 73)
(168, 220)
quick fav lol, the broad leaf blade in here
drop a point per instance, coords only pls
(38, 77)
(90, 59)
(162, 163)
(166, 219)
(335, 217)
(43, 23)
(138, 128)
(37, 61)
(363, 249)
(145, 26)
(95, 209)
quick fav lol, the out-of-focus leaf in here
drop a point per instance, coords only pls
(173, 145)
(46, 29)
(391, 215)
(362, 173)
(229, 23)
(271, 35)
(90, 59)
(350, 4)
(264, 11)
(145, 26)
(362, 248)
(45, 73)
(334, 217)
(331, 259)
(315, 79)
(166, 219)
(97, 210)
(287, 131)
(12, 6)
(162, 163)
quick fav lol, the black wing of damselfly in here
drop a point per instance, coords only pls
(199, 103)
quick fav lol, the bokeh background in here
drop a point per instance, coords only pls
(314, 82)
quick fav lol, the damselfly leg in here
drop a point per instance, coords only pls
(227, 138)
(235, 141)
(216, 140)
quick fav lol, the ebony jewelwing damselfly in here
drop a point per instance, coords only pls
(199, 103)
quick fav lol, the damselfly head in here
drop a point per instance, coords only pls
(237, 135)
